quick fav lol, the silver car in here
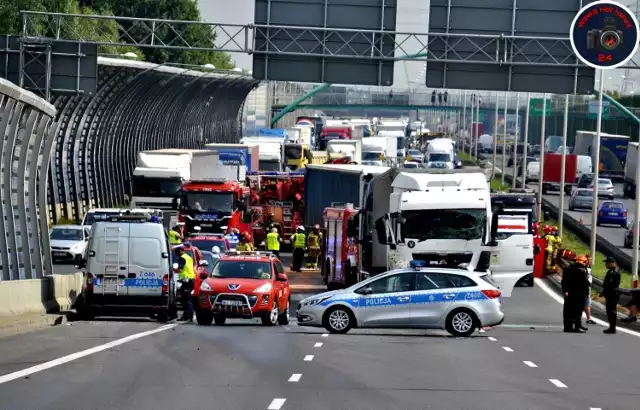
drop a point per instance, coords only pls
(581, 198)
(457, 300)
(605, 188)
(628, 234)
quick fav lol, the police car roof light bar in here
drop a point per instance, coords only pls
(128, 218)
(248, 253)
(417, 264)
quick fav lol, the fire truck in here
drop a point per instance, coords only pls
(279, 194)
(215, 205)
(340, 266)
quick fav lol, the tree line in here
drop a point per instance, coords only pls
(109, 31)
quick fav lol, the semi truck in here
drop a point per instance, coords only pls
(630, 166)
(159, 174)
(379, 151)
(575, 167)
(613, 152)
(270, 152)
(237, 154)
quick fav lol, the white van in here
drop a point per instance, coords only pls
(128, 270)
(585, 166)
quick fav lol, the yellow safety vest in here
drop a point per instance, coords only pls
(174, 238)
(299, 240)
(245, 247)
(314, 241)
(273, 244)
(187, 272)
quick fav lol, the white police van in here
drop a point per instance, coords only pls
(128, 270)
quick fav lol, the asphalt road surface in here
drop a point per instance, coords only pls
(528, 363)
(613, 234)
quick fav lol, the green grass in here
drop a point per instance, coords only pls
(571, 241)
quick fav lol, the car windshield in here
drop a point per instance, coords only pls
(439, 158)
(66, 234)
(585, 193)
(424, 224)
(208, 201)
(371, 156)
(604, 182)
(208, 244)
(414, 152)
(155, 187)
(612, 205)
(269, 165)
(242, 269)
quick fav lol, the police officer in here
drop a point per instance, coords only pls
(174, 236)
(575, 287)
(313, 243)
(611, 293)
(273, 242)
(186, 275)
(299, 240)
(245, 244)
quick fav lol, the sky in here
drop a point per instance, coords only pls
(412, 16)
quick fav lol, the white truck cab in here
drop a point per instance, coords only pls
(440, 153)
(446, 219)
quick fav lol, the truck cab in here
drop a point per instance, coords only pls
(440, 154)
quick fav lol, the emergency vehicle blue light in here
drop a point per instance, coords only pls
(417, 264)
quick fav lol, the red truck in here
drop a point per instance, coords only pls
(552, 172)
(215, 205)
(334, 133)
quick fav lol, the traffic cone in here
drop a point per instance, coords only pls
(582, 220)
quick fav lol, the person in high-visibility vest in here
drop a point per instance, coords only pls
(313, 243)
(174, 236)
(245, 243)
(299, 240)
(187, 275)
(273, 242)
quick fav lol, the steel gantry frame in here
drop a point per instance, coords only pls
(499, 49)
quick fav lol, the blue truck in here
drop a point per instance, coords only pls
(613, 152)
(236, 154)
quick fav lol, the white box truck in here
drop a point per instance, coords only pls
(630, 166)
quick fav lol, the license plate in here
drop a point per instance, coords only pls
(231, 302)
(60, 254)
(613, 214)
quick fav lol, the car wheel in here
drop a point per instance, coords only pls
(283, 318)
(338, 319)
(85, 312)
(163, 316)
(219, 320)
(271, 318)
(626, 245)
(461, 323)
(204, 317)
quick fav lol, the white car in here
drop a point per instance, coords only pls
(68, 242)
(457, 300)
(533, 171)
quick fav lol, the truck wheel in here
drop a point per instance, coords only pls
(219, 320)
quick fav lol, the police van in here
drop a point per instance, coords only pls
(128, 270)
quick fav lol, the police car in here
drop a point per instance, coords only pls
(457, 300)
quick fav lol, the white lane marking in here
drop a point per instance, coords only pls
(325, 335)
(276, 404)
(493, 339)
(595, 408)
(507, 349)
(75, 356)
(295, 378)
(560, 300)
(530, 364)
(308, 358)
(558, 383)
(318, 344)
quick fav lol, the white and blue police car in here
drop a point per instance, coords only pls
(457, 300)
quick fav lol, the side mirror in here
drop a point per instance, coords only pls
(204, 275)
(175, 266)
(281, 277)
(203, 263)
(381, 231)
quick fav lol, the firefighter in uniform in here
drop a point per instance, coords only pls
(245, 243)
(273, 242)
(299, 240)
(549, 250)
(186, 275)
(313, 243)
(575, 287)
(174, 236)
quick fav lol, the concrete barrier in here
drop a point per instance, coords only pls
(50, 294)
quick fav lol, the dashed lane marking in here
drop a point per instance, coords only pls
(558, 383)
(595, 408)
(75, 356)
(493, 339)
(318, 344)
(530, 364)
(540, 283)
(295, 378)
(276, 404)
(325, 335)
(507, 349)
(308, 358)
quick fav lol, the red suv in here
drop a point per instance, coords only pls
(245, 285)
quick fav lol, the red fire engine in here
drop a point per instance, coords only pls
(341, 266)
(279, 194)
(215, 205)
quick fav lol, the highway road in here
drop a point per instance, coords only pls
(528, 363)
(613, 234)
